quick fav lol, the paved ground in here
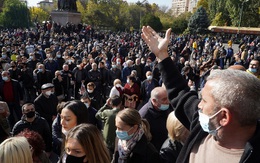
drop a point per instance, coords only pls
(234, 46)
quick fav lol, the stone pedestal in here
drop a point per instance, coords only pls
(62, 17)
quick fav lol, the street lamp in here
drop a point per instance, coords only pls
(240, 17)
(144, 1)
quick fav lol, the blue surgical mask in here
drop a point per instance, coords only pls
(123, 135)
(113, 66)
(204, 122)
(5, 78)
(40, 70)
(164, 107)
(253, 70)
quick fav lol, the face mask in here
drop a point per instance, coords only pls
(3, 56)
(118, 85)
(58, 56)
(87, 105)
(31, 57)
(149, 77)
(204, 122)
(5, 78)
(143, 62)
(74, 159)
(253, 70)
(40, 70)
(30, 114)
(90, 91)
(118, 63)
(65, 132)
(113, 66)
(164, 107)
(123, 135)
(50, 59)
(48, 93)
(128, 81)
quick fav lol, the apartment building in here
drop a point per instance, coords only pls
(181, 6)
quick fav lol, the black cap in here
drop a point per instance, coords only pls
(47, 85)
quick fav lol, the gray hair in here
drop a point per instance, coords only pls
(237, 91)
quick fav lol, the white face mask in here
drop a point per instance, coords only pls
(48, 93)
(118, 85)
(149, 77)
(87, 105)
(205, 120)
(90, 91)
(65, 132)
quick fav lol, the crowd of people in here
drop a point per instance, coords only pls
(96, 96)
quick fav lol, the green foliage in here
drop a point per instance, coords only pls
(218, 20)
(15, 14)
(152, 21)
(38, 15)
(180, 23)
(204, 4)
(199, 22)
(231, 11)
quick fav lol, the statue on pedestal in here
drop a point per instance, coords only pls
(67, 5)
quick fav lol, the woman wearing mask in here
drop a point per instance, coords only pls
(85, 144)
(133, 135)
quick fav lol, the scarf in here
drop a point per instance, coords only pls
(125, 147)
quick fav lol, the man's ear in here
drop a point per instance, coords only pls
(226, 117)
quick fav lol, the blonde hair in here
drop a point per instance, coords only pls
(132, 117)
(90, 138)
(15, 150)
(176, 131)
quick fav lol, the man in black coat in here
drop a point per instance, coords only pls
(46, 103)
(34, 122)
(156, 111)
(225, 120)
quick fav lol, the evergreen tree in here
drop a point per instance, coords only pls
(15, 14)
(152, 21)
(199, 22)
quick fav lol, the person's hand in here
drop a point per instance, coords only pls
(157, 44)
(108, 102)
(53, 117)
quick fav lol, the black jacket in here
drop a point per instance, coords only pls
(157, 120)
(46, 107)
(185, 103)
(170, 151)
(39, 125)
(143, 152)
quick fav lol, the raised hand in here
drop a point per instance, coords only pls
(157, 44)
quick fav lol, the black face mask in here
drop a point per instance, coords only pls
(30, 114)
(74, 159)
